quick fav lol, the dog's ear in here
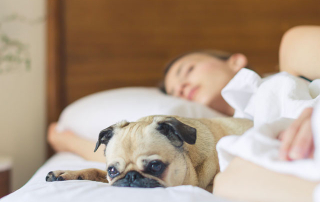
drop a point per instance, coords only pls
(177, 132)
(104, 137)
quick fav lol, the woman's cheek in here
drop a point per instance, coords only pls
(204, 97)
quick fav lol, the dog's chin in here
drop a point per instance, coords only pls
(142, 183)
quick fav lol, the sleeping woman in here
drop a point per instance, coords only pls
(212, 78)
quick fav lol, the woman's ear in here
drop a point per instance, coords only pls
(237, 61)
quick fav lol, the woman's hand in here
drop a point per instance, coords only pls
(60, 141)
(297, 139)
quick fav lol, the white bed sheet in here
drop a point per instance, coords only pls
(38, 190)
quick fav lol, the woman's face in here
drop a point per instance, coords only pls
(200, 78)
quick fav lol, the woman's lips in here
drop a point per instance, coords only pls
(192, 93)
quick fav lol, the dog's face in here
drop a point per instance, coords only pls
(148, 153)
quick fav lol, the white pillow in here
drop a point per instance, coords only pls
(91, 114)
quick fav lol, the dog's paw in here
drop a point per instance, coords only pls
(62, 175)
(55, 176)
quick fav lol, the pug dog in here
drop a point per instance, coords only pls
(159, 151)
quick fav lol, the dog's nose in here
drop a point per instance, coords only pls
(131, 176)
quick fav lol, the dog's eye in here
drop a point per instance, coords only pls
(113, 172)
(156, 167)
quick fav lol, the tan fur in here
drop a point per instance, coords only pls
(135, 144)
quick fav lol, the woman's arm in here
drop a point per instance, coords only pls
(67, 141)
(245, 181)
(299, 52)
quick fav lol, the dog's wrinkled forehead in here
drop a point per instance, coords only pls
(171, 128)
(121, 124)
(149, 123)
(116, 128)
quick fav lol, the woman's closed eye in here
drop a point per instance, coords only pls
(180, 76)
(189, 70)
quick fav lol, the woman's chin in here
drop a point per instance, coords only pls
(204, 101)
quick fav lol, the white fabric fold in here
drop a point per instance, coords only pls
(259, 145)
(265, 100)
(272, 103)
(38, 190)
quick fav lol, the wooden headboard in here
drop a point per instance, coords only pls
(104, 44)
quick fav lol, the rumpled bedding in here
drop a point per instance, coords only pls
(272, 103)
(38, 190)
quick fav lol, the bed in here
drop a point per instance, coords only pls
(96, 46)
(38, 189)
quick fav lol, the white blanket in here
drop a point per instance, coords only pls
(265, 100)
(38, 190)
(272, 103)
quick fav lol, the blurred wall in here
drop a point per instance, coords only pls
(106, 38)
(22, 86)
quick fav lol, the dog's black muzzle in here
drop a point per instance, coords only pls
(135, 179)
